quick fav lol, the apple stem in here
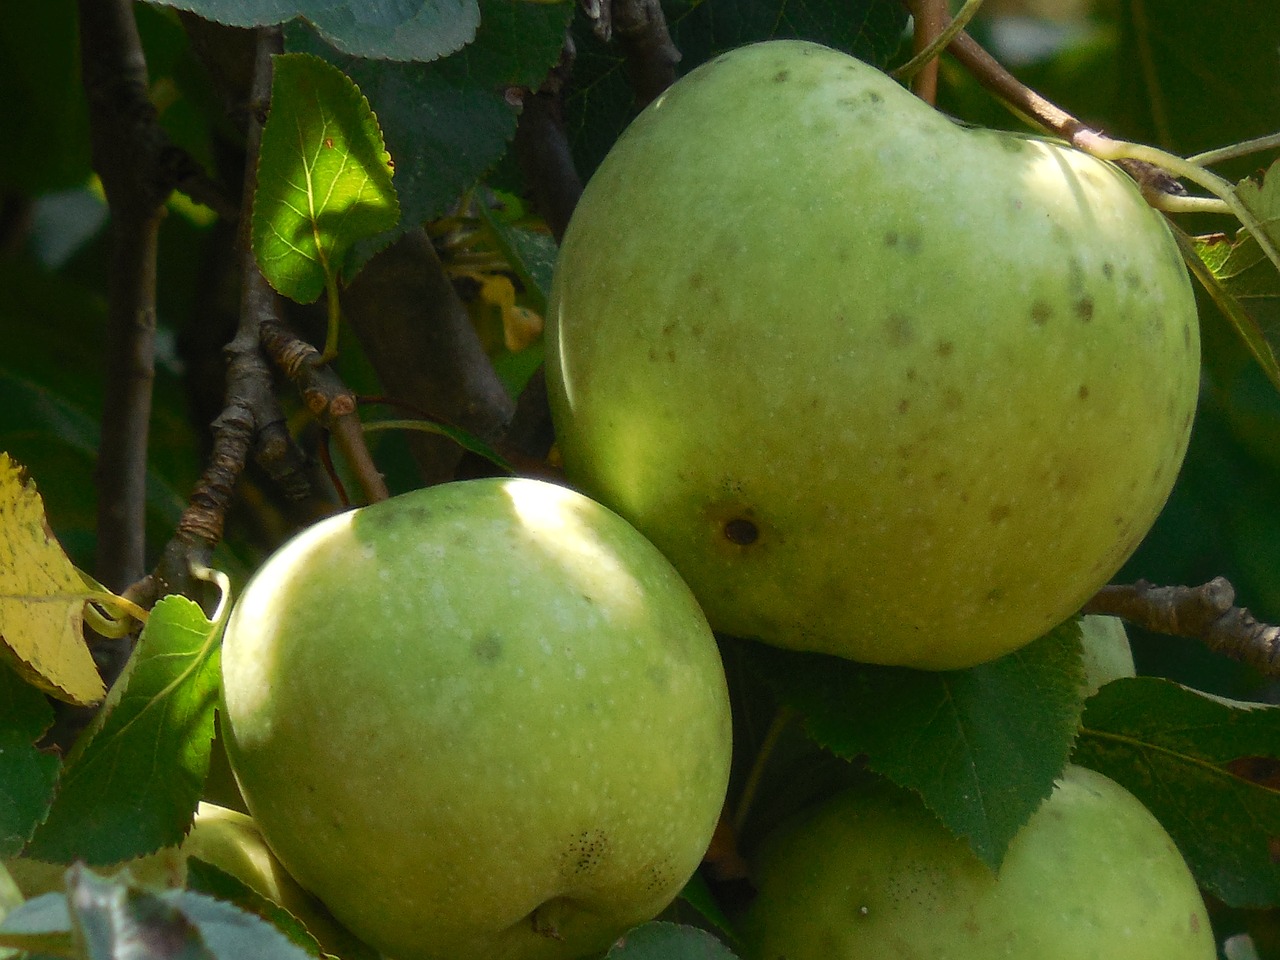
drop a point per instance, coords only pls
(1243, 149)
(781, 718)
(999, 81)
(930, 51)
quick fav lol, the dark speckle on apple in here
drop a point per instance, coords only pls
(1040, 313)
(488, 648)
(900, 329)
(1084, 309)
(741, 531)
(782, 76)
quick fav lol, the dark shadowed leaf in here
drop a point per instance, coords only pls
(119, 922)
(132, 783)
(27, 774)
(391, 29)
(447, 122)
(669, 941)
(1206, 767)
(982, 746)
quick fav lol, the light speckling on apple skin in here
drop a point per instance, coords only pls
(872, 874)
(878, 385)
(477, 714)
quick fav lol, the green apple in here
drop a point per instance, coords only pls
(1107, 654)
(878, 385)
(871, 874)
(482, 721)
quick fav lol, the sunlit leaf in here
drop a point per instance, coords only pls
(324, 178)
(42, 597)
(133, 781)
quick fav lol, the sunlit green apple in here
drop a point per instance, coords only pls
(877, 384)
(872, 875)
(1107, 654)
(482, 721)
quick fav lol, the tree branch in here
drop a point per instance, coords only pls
(651, 57)
(542, 149)
(417, 334)
(1207, 613)
(129, 155)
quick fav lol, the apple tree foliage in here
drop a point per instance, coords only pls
(398, 151)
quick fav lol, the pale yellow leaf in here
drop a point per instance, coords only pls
(41, 597)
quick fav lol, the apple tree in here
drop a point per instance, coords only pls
(716, 478)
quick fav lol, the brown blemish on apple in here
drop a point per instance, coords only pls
(1084, 309)
(1083, 392)
(782, 76)
(999, 513)
(899, 329)
(946, 348)
(487, 649)
(891, 239)
(904, 405)
(1040, 313)
(741, 531)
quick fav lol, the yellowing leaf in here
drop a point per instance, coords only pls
(41, 597)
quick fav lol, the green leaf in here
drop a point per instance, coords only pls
(982, 746)
(324, 178)
(133, 780)
(387, 29)
(531, 253)
(27, 774)
(1262, 199)
(210, 879)
(447, 122)
(114, 921)
(229, 932)
(668, 941)
(1180, 752)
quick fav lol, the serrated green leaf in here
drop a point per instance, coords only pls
(668, 941)
(27, 774)
(132, 782)
(697, 893)
(982, 746)
(447, 122)
(1237, 279)
(600, 102)
(1173, 748)
(324, 178)
(115, 921)
(229, 932)
(388, 29)
(212, 880)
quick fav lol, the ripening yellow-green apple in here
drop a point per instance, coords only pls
(1107, 654)
(871, 874)
(482, 721)
(877, 384)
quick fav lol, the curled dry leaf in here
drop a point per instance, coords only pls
(42, 597)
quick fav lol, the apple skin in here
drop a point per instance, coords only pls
(872, 874)
(877, 385)
(482, 721)
(1107, 654)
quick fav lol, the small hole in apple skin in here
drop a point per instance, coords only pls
(741, 531)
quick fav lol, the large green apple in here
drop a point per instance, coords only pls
(877, 384)
(871, 875)
(482, 721)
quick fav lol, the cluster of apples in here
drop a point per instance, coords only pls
(829, 371)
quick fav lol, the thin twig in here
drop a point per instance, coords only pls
(931, 20)
(1206, 613)
(542, 149)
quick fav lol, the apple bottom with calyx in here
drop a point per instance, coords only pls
(872, 874)
(877, 384)
(482, 721)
